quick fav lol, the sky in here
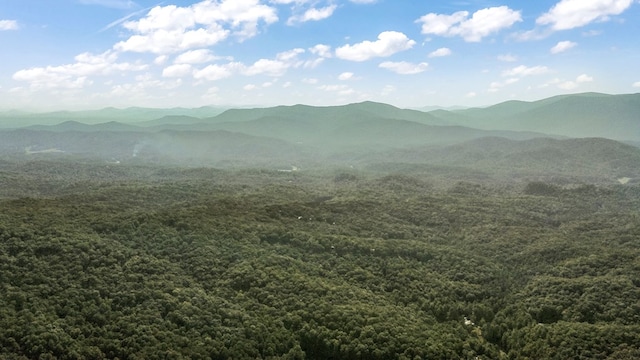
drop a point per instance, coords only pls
(90, 54)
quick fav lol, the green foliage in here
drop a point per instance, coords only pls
(146, 263)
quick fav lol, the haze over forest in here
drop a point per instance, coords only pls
(327, 179)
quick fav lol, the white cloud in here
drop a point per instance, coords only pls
(569, 14)
(440, 52)
(570, 84)
(268, 67)
(507, 58)
(345, 76)
(584, 78)
(363, 1)
(497, 85)
(523, 70)
(160, 60)
(567, 85)
(76, 75)
(8, 25)
(277, 66)
(250, 87)
(311, 81)
(312, 64)
(562, 46)
(404, 68)
(290, 55)
(165, 42)
(195, 57)
(214, 72)
(636, 84)
(321, 50)
(171, 28)
(146, 81)
(482, 23)
(313, 14)
(388, 43)
(177, 70)
(471, 94)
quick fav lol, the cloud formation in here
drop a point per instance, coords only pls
(312, 14)
(8, 25)
(404, 68)
(171, 29)
(562, 46)
(570, 85)
(482, 23)
(569, 14)
(195, 57)
(75, 75)
(388, 43)
(440, 52)
(523, 70)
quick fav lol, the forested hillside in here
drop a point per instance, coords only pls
(150, 262)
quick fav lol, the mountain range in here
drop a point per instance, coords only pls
(562, 135)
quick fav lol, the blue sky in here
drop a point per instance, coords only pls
(85, 54)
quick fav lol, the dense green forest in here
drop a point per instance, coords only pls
(151, 262)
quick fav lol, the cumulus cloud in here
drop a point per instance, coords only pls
(404, 68)
(8, 25)
(440, 52)
(195, 57)
(270, 67)
(267, 66)
(388, 43)
(160, 60)
(171, 28)
(177, 70)
(345, 76)
(562, 46)
(584, 78)
(321, 50)
(215, 72)
(497, 85)
(75, 75)
(523, 70)
(569, 14)
(313, 14)
(636, 84)
(482, 23)
(570, 84)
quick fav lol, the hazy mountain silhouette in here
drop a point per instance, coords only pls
(365, 133)
(578, 115)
